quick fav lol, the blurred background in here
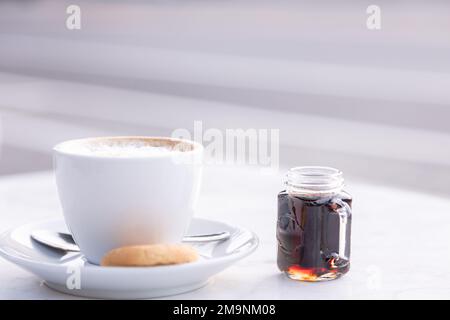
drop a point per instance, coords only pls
(375, 103)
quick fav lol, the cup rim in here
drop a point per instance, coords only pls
(58, 148)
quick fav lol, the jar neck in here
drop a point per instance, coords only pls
(314, 181)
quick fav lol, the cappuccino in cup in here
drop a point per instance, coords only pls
(121, 147)
(119, 191)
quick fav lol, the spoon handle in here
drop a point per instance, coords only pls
(64, 241)
(207, 237)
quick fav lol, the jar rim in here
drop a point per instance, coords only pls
(314, 179)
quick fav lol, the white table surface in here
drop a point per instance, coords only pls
(400, 240)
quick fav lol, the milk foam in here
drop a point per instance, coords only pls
(119, 148)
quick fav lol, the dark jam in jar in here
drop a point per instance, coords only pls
(314, 225)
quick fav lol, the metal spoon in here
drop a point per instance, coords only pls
(65, 242)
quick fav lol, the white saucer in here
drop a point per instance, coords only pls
(56, 267)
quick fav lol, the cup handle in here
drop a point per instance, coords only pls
(344, 211)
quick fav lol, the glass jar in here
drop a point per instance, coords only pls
(314, 224)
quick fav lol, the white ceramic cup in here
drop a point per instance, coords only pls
(111, 201)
